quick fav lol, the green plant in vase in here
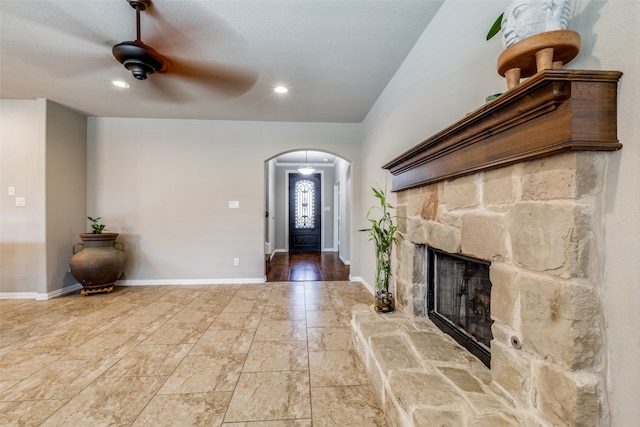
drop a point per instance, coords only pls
(97, 228)
(384, 233)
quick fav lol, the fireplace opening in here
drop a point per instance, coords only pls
(459, 300)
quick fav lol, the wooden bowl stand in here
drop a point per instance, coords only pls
(549, 50)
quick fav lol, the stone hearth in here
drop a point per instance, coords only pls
(527, 198)
(423, 378)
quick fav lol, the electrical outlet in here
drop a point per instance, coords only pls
(236, 261)
(234, 204)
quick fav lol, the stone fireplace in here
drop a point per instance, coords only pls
(519, 185)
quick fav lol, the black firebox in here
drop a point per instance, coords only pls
(459, 300)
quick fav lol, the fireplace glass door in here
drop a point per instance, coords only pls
(460, 300)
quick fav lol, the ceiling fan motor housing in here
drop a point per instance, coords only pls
(136, 56)
(139, 4)
(139, 58)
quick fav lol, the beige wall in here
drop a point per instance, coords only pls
(43, 153)
(450, 71)
(165, 185)
(611, 41)
(22, 229)
(66, 190)
(270, 208)
(343, 179)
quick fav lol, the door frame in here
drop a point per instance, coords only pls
(336, 217)
(288, 172)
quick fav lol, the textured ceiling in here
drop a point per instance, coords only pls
(335, 57)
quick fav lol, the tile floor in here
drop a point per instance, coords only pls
(278, 354)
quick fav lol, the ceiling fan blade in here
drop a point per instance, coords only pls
(73, 65)
(169, 37)
(230, 81)
(158, 89)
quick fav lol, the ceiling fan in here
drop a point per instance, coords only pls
(137, 57)
(142, 60)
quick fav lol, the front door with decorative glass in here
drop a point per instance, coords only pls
(304, 212)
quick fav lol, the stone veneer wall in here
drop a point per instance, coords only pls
(540, 224)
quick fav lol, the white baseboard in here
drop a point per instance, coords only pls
(19, 295)
(40, 296)
(344, 261)
(64, 291)
(190, 282)
(364, 282)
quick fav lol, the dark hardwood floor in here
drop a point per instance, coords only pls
(306, 266)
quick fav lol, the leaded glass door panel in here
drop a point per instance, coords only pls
(304, 213)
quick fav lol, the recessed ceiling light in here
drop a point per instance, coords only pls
(120, 83)
(281, 89)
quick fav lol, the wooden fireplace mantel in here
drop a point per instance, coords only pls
(551, 112)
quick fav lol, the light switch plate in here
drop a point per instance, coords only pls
(234, 204)
(21, 201)
(11, 191)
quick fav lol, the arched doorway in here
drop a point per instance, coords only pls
(330, 220)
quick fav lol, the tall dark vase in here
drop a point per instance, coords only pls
(97, 262)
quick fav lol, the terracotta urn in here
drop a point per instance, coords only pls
(98, 261)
